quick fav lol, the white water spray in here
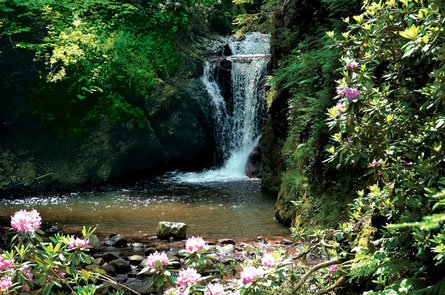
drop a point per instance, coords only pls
(238, 127)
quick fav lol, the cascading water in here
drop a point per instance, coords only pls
(238, 112)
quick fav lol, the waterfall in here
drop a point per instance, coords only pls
(238, 105)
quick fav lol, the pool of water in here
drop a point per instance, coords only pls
(232, 209)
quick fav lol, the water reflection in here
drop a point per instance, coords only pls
(212, 210)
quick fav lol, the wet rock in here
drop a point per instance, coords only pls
(135, 259)
(106, 256)
(176, 230)
(137, 246)
(100, 261)
(286, 242)
(226, 241)
(95, 242)
(103, 289)
(254, 167)
(261, 240)
(138, 285)
(149, 251)
(143, 274)
(163, 247)
(120, 266)
(227, 249)
(109, 269)
(117, 241)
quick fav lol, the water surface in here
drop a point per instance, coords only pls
(213, 210)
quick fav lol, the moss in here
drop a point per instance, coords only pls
(365, 236)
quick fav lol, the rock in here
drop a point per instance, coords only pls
(138, 285)
(117, 241)
(109, 269)
(163, 247)
(106, 256)
(261, 240)
(176, 230)
(228, 249)
(120, 265)
(226, 241)
(144, 274)
(103, 289)
(286, 242)
(95, 242)
(254, 167)
(135, 259)
(149, 251)
(137, 246)
(100, 261)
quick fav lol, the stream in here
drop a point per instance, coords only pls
(235, 210)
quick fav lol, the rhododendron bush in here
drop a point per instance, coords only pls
(37, 266)
(390, 122)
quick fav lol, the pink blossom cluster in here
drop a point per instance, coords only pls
(349, 92)
(250, 273)
(352, 93)
(27, 273)
(332, 268)
(78, 243)
(375, 162)
(341, 107)
(188, 276)
(270, 260)
(6, 264)
(26, 221)
(215, 289)
(350, 65)
(195, 243)
(5, 283)
(157, 257)
(59, 274)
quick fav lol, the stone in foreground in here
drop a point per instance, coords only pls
(175, 230)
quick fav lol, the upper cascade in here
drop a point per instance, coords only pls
(235, 84)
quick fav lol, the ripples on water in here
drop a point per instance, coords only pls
(214, 210)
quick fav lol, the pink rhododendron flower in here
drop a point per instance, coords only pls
(27, 273)
(270, 260)
(173, 291)
(26, 221)
(341, 89)
(250, 273)
(341, 107)
(188, 276)
(78, 243)
(350, 139)
(215, 289)
(352, 93)
(5, 283)
(6, 264)
(375, 163)
(332, 268)
(350, 65)
(157, 257)
(195, 244)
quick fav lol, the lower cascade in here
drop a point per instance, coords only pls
(235, 84)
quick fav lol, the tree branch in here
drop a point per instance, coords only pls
(313, 269)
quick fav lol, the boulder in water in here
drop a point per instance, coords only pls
(175, 230)
(254, 168)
